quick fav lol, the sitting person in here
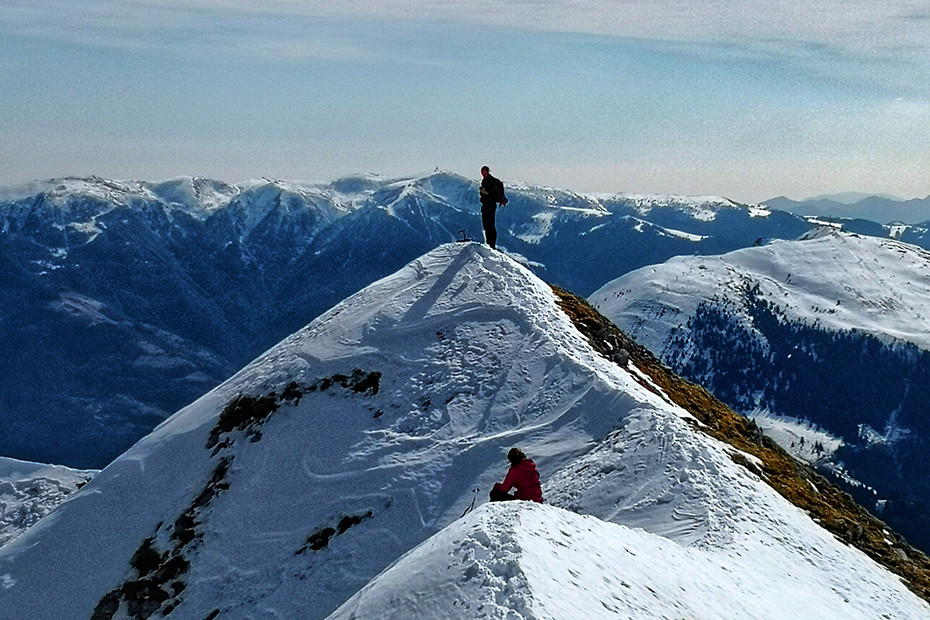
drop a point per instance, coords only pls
(522, 476)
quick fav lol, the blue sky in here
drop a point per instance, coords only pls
(745, 99)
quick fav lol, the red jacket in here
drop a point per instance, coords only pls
(525, 478)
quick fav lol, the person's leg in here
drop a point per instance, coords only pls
(496, 495)
(487, 221)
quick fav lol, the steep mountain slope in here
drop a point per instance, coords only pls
(124, 301)
(286, 489)
(831, 330)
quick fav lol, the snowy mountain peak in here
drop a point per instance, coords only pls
(375, 422)
(58, 190)
(207, 194)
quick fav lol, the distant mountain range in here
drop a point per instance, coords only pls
(123, 301)
(881, 209)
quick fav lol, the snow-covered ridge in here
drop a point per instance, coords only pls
(195, 195)
(522, 560)
(829, 332)
(202, 195)
(466, 354)
(704, 208)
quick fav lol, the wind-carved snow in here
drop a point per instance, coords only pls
(29, 491)
(285, 490)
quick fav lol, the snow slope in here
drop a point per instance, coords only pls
(289, 487)
(655, 521)
(531, 561)
(833, 279)
(29, 491)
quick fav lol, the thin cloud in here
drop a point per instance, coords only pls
(863, 25)
(882, 43)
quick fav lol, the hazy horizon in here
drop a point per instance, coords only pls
(740, 99)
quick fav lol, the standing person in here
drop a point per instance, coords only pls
(523, 476)
(492, 193)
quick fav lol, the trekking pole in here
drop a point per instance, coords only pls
(472, 505)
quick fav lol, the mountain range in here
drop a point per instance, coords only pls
(824, 341)
(875, 208)
(341, 474)
(124, 301)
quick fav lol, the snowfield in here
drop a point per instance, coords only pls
(341, 460)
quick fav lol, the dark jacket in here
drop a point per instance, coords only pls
(492, 191)
(525, 478)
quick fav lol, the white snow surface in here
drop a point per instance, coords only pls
(522, 561)
(836, 280)
(29, 491)
(802, 439)
(475, 357)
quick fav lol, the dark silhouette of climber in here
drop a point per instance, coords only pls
(492, 193)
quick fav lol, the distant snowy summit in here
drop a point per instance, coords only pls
(832, 279)
(348, 453)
